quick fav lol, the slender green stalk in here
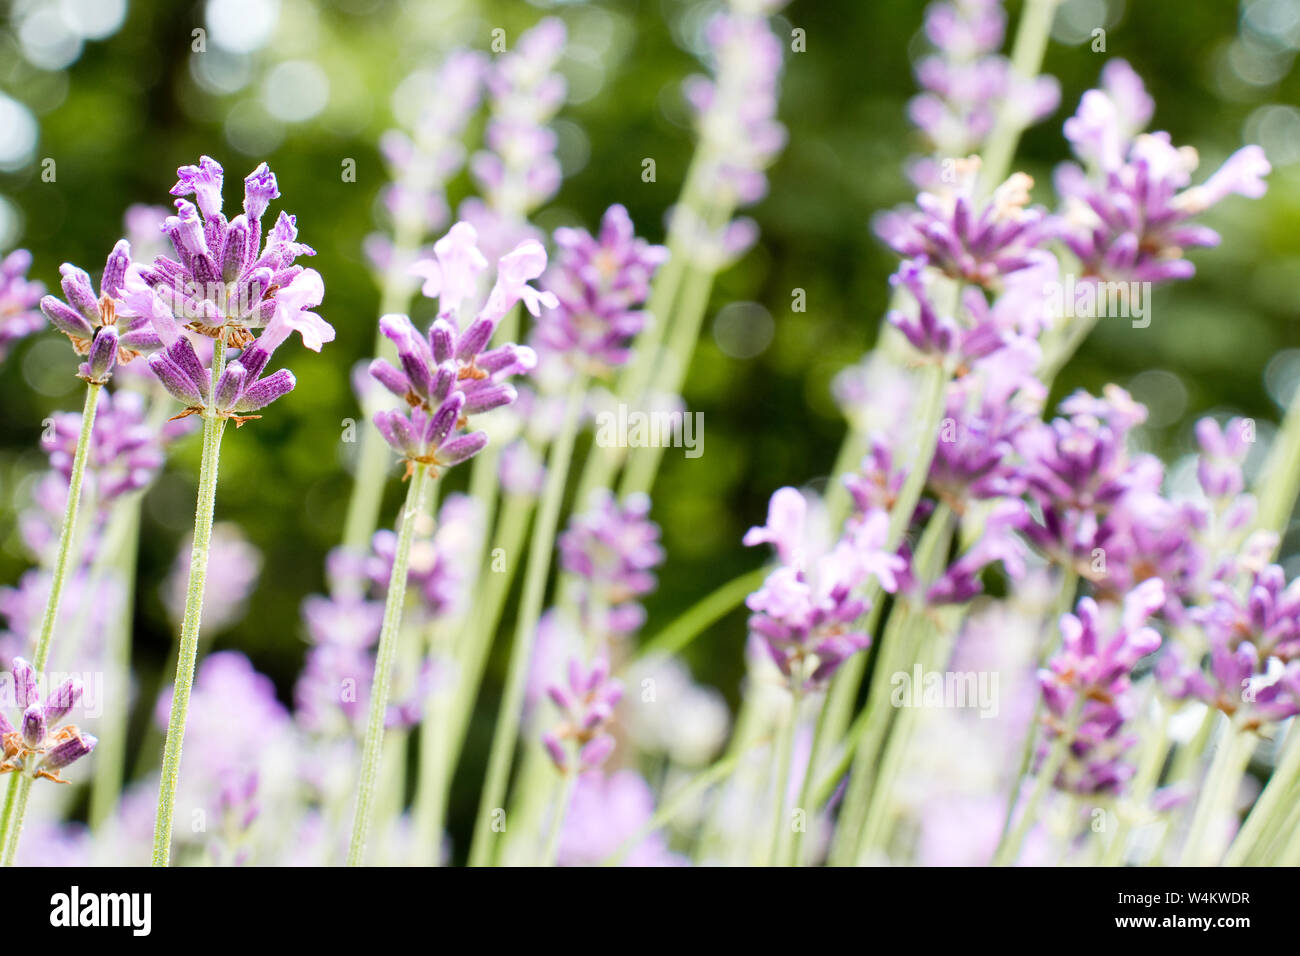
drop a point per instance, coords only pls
(11, 820)
(680, 799)
(1270, 800)
(110, 755)
(506, 734)
(1064, 602)
(188, 651)
(1279, 479)
(1205, 840)
(1026, 59)
(1009, 847)
(372, 750)
(552, 847)
(64, 557)
(781, 781)
(699, 617)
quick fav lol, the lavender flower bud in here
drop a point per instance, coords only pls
(99, 365)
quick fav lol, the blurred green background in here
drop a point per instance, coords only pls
(306, 85)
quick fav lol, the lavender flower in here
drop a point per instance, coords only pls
(1098, 669)
(613, 550)
(807, 612)
(739, 135)
(518, 172)
(1131, 218)
(222, 288)
(967, 86)
(586, 702)
(125, 452)
(598, 281)
(225, 599)
(1254, 652)
(20, 297)
(35, 747)
(108, 328)
(450, 374)
(964, 239)
(604, 812)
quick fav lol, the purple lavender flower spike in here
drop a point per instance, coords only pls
(40, 747)
(1098, 669)
(612, 549)
(606, 811)
(1130, 217)
(20, 314)
(220, 284)
(967, 86)
(598, 283)
(586, 702)
(965, 240)
(104, 328)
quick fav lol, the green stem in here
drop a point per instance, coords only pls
(1009, 847)
(781, 782)
(187, 653)
(506, 734)
(1027, 60)
(372, 750)
(64, 557)
(551, 851)
(1279, 479)
(700, 616)
(1064, 602)
(1204, 844)
(680, 800)
(1270, 800)
(111, 752)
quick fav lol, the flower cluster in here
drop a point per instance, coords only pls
(612, 549)
(807, 611)
(735, 114)
(598, 282)
(1129, 219)
(1086, 687)
(452, 374)
(518, 172)
(968, 86)
(224, 284)
(586, 700)
(20, 298)
(36, 747)
(107, 328)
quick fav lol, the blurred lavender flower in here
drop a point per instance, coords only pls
(1254, 652)
(518, 172)
(239, 747)
(612, 549)
(451, 374)
(35, 747)
(421, 162)
(807, 611)
(673, 715)
(1098, 669)
(125, 453)
(598, 281)
(605, 811)
(20, 314)
(144, 225)
(739, 136)
(1129, 218)
(225, 599)
(967, 86)
(586, 701)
